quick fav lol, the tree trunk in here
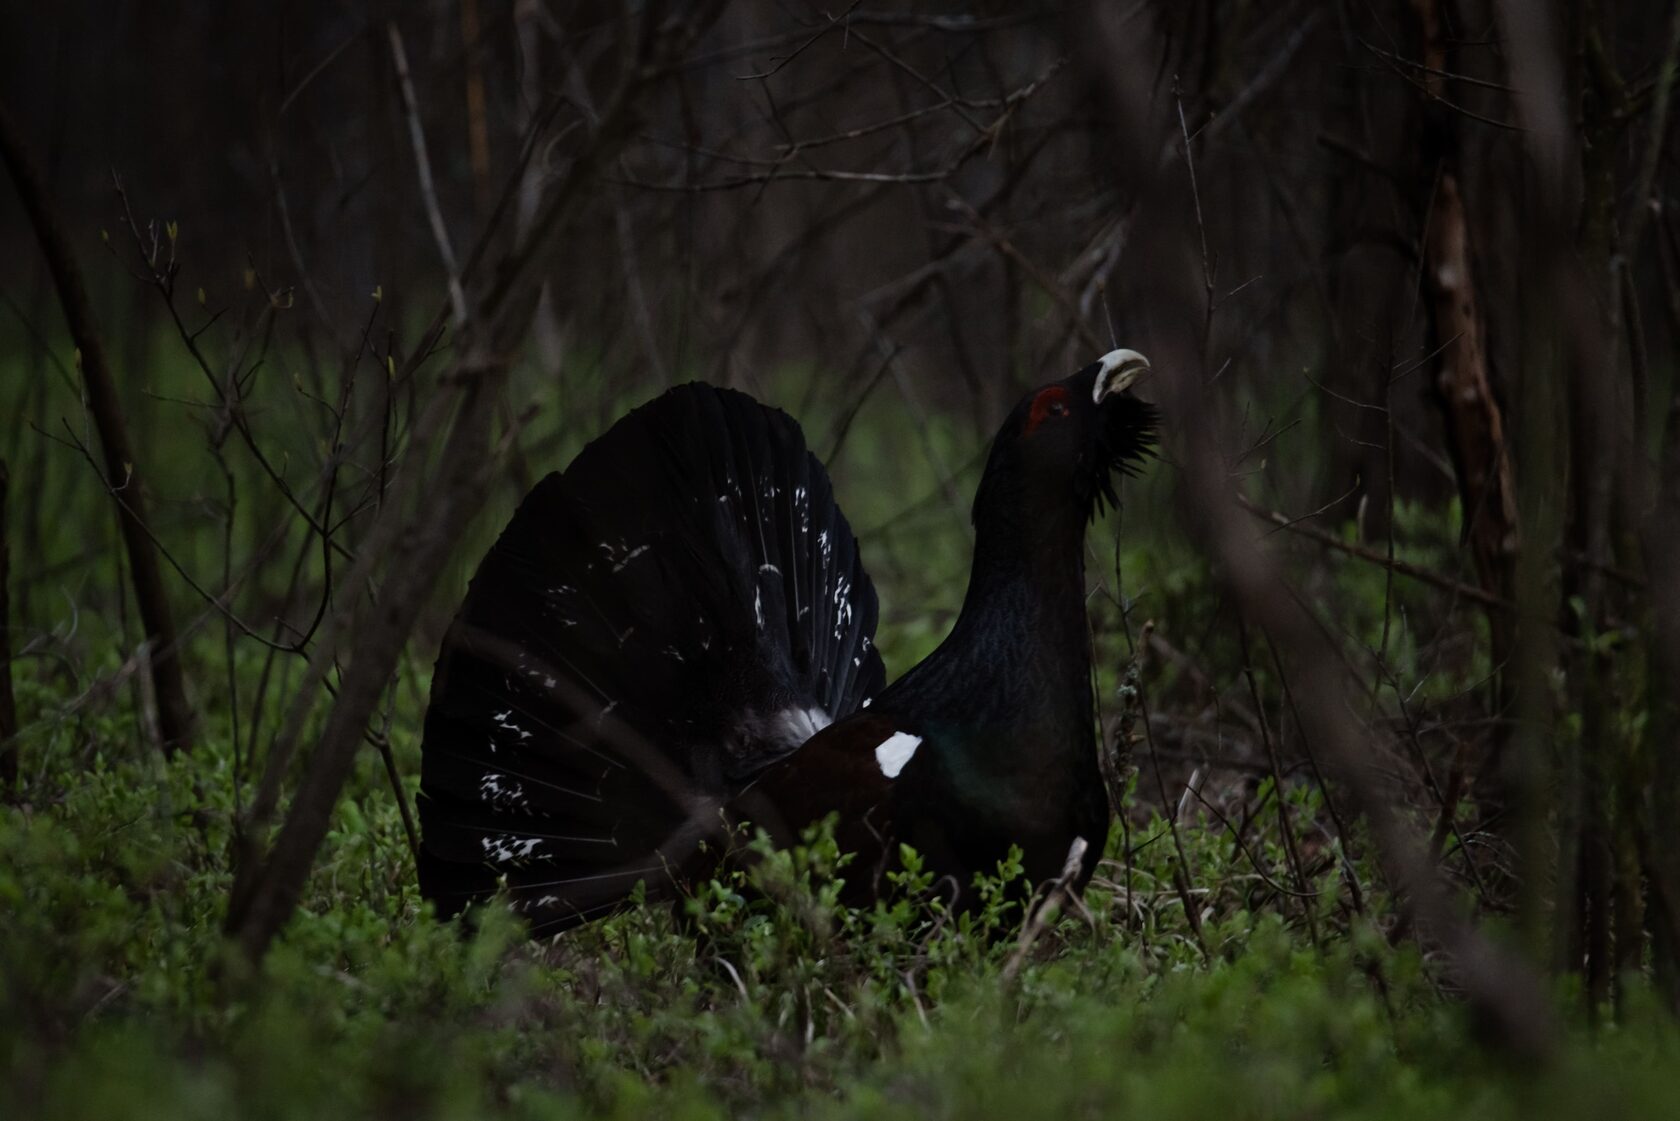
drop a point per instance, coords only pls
(122, 472)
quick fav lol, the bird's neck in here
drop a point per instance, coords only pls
(1026, 590)
(1018, 656)
(1035, 546)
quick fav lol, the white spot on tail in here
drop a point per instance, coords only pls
(504, 721)
(842, 606)
(508, 848)
(793, 726)
(895, 751)
(501, 791)
(630, 556)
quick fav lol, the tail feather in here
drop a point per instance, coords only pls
(677, 611)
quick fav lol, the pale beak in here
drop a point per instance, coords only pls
(1120, 369)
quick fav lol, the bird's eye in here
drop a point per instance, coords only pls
(1050, 402)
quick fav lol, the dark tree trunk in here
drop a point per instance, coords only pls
(122, 472)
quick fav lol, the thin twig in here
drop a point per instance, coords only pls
(1060, 893)
(9, 746)
(423, 171)
(1286, 827)
(1405, 568)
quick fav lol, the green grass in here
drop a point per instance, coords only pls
(763, 997)
(770, 1000)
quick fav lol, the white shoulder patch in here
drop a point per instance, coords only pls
(895, 751)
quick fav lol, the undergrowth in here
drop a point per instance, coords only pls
(1209, 973)
(760, 994)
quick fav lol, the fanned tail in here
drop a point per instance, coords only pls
(681, 608)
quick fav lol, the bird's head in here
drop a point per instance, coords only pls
(1069, 438)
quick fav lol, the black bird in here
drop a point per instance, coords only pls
(677, 633)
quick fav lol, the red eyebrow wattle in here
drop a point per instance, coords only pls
(1041, 406)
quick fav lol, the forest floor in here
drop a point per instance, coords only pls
(1282, 993)
(116, 999)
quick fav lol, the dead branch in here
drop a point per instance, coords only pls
(1050, 285)
(1404, 568)
(368, 631)
(1464, 378)
(423, 173)
(1497, 985)
(122, 472)
(1059, 894)
(9, 747)
(1286, 828)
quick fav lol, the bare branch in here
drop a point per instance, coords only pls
(175, 716)
(423, 170)
(9, 746)
(408, 543)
